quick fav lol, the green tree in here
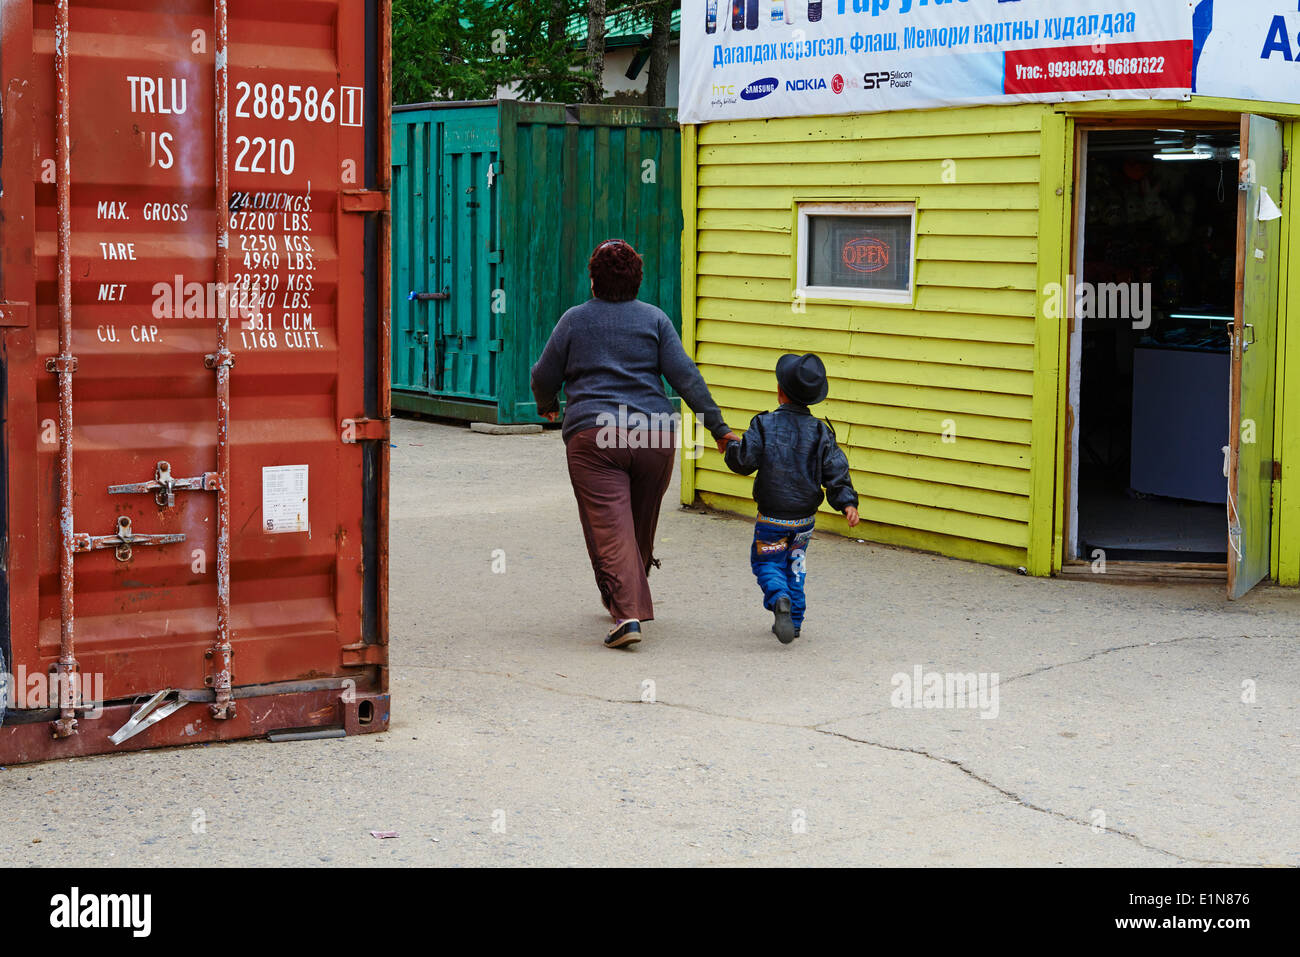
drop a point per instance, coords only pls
(466, 49)
(652, 19)
(660, 38)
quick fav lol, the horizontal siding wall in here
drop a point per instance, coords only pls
(964, 352)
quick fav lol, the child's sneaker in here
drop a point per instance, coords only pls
(783, 626)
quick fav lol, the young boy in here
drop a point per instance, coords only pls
(795, 456)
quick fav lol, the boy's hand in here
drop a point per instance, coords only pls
(551, 416)
(727, 440)
(851, 514)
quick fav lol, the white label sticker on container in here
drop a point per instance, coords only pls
(284, 499)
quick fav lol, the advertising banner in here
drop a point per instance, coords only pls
(1247, 49)
(745, 59)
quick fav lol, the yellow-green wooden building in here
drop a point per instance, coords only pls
(962, 396)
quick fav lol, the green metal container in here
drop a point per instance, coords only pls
(497, 206)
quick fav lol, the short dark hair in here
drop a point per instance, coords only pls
(615, 269)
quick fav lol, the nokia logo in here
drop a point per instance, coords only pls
(816, 83)
(760, 88)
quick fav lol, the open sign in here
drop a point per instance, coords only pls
(865, 254)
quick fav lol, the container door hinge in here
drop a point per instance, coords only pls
(360, 655)
(165, 487)
(364, 200)
(122, 542)
(352, 431)
(1277, 471)
(14, 313)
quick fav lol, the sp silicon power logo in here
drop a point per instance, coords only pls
(760, 88)
(837, 83)
(865, 254)
(881, 79)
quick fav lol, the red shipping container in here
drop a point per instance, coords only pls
(194, 355)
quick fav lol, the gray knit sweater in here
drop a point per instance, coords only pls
(612, 354)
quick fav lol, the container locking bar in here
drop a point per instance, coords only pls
(414, 296)
(165, 487)
(122, 542)
(64, 364)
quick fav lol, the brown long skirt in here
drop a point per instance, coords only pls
(619, 491)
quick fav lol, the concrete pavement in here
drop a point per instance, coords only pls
(1125, 731)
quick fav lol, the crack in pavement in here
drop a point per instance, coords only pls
(1017, 799)
(920, 752)
(1053, 667)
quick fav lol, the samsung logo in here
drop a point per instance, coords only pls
(760, 88)
(817, 83)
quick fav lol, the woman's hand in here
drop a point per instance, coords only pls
(851, 514)
(551, 416)
(727, 440)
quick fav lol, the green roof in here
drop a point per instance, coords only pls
(621, 29)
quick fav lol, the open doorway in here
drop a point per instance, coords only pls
(1151, 345)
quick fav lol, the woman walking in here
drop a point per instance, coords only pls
(611, 354)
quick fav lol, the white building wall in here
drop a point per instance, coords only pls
(617, 61)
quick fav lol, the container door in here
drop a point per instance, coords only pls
(298, 578)
(415, 267)
(468, 321)
(1254, 354)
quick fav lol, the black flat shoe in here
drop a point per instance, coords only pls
(627, 633)
(783, 626)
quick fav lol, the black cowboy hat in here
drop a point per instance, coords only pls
(802, 378)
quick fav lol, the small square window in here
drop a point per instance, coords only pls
(857, 251)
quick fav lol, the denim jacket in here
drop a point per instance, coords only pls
(796, 457)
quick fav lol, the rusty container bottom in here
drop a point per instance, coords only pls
(26, 738)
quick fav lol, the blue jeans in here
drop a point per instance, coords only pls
(778, 560)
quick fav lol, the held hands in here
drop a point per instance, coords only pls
(727, 440)
(851, 514)
(551, 416)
